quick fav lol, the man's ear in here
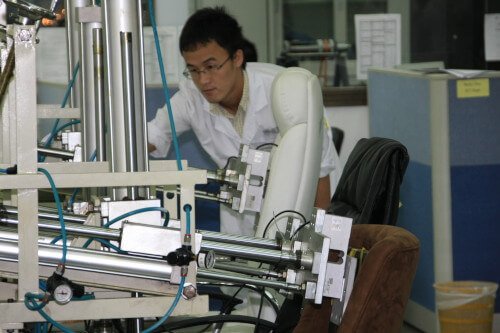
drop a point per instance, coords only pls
(238, 58)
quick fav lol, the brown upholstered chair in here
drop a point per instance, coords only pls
(381, 288)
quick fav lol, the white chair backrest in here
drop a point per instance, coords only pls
(297, 105)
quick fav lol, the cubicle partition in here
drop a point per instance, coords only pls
(451, 190)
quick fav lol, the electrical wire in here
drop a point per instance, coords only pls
(63, 104)
(75, 191)
(256, 328)
(165, 87)
(280, 213)
(300, 227)
(59, 210)
(266, 144)
(170, 310)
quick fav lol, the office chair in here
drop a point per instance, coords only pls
(297, 104)
(381, 288)
(368, 189)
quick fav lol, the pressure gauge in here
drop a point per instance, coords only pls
(63, 293)
(206, 260)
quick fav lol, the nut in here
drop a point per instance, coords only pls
(189, 291)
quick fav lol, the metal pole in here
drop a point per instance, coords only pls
(100, 123)
(45, 214)
(72, 32)
(122, 16)
(250, 253)
(220, 276)
(220, 237)
(89, 19)
(73, 229)
(93, 261)
(128, 107)
(54, 152)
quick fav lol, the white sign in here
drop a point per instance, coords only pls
(378, 42)
(492, 37)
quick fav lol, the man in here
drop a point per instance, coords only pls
(225, 103)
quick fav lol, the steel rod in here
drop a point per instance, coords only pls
(265, 243)
(251, 253)
(54, 152)
(221, 276)
(92, 260)
(49, 214)
(73, 229)
(128, 107)
(99, 95)
(236, 268)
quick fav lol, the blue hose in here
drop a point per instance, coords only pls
(59, 210)
(165, 87)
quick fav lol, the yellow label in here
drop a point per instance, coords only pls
(473, 88)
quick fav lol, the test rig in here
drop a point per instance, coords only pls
(128, 246)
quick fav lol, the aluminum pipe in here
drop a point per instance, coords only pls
(93, 261)
(250, 253)
(220, 276)
(73, 229)
(265, 243)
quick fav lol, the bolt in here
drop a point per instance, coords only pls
(25, 35)
(189, 291)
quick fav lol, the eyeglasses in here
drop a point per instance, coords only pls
(194, 73)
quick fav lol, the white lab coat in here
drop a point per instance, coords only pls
(219, 138)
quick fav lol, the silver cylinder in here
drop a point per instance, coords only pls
(72, 32)
(89, 18)
(260, 272)
(220, 237)
(250, 253)
(94, 261)
(128, 107)
(118, 16)
(220, 276)
(100, 122)
(74, 229)
(48, 214)
(55, 152)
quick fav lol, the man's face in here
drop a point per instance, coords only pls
(217, 84)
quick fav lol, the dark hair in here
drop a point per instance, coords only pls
(249, 51)
(209, 24)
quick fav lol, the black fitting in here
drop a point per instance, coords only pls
(12, 170)
(180, 257)
(57, 279)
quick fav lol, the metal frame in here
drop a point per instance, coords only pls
(21, 107)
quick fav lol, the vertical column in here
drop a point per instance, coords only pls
(72, 32)
(26, 124)
(100, 124)
(89, 18)
(123, 16)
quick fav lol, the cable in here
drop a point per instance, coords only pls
(266, 144)
(280, 213)
(300, 227)
(3, 170)
(256, 329)
(63, 104)
(169, 312)
(165, 87)
(59, 210)
(264, 324)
